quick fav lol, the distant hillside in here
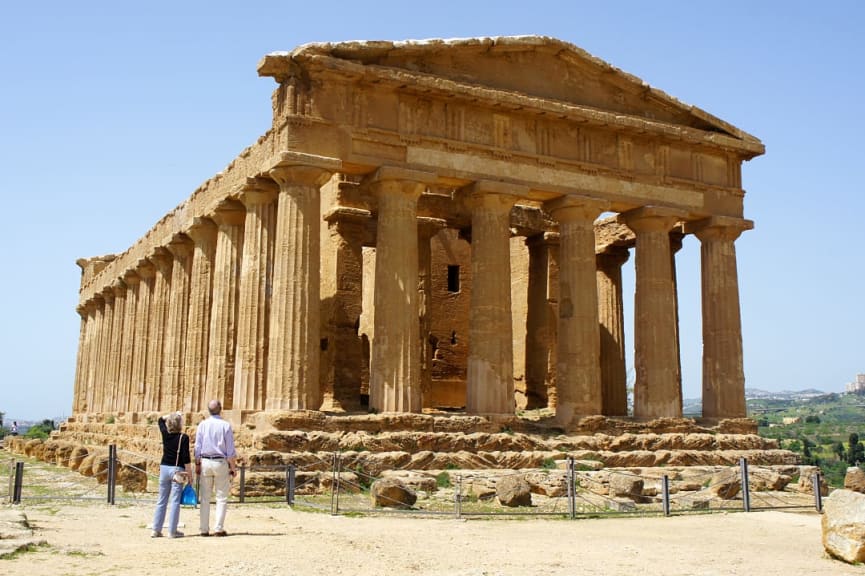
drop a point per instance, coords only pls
(756, 393)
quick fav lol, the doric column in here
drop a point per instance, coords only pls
(541, 326)
(578, 374)
(203, 234)
(341, 380)
(80, 362)
(490, 385)
(614, 384)
(104, 387)
(96, 358)
(426, 229)
(295, 321)
(174, 390)
(118, 336)
(723, 372)
(143, 348)
(656, 390)
(90, 363)
(258, 196)
(229, 218)
(157, 328)
(395, 364)
(124, 377)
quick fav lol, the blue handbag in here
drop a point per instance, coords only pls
(189, 497)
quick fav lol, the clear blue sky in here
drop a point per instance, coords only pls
(112, 113)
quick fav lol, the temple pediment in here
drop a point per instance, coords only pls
(535, 71)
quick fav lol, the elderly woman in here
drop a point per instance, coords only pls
(175, 458)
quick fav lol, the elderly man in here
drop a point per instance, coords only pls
(216, 464)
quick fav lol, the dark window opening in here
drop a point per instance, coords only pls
(453, 278)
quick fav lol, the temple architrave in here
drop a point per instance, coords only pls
(436, 223)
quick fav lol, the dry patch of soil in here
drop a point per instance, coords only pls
(95, 538)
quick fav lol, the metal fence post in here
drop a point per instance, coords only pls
(665, 494)
(290, 484)
(242, 483)
(112, 473)
(19, 482)
(746, 491)
(11, 486)
(570, 478)
(337, 466)
(459, 496)
(816, 481)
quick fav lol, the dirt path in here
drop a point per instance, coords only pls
(264, 540)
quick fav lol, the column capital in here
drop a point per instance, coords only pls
(202, 230)
(90, 307)
(392, 180)
(145, 269)
(574, 207)
(119, 288)
(651, 218)
(491, 194)
(718, 228)
(82, 311)
(108, 294)
(162, 258)
(296, 168)
(229, 213)
(257, 191)
(131, 278)
(180, 246)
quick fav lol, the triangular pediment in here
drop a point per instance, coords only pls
(534, 66)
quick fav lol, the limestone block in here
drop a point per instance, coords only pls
(482, 489)
(348, 482)
(855, 479)
(85, 468)
(63, 453)
(548, 483)
(697, 442)
(32, 446)
(414, 480)
(626, 485)
(132, 476)
(843, 525)
(513, 491)
(805, 484)
(737, 426)
(16, 533)
(762, 480)
(99, 467)
(392, 493)
(725, 485)
(49, 451)
(77, 457)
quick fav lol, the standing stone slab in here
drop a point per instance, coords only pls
(844, 525)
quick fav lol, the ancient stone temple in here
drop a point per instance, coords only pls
(422, 221)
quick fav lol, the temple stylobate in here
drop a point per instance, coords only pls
(433, 223)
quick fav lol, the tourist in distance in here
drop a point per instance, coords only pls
(14, 431)
(175, 458)
(216, 465)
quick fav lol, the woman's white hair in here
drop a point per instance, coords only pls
(173, 422)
